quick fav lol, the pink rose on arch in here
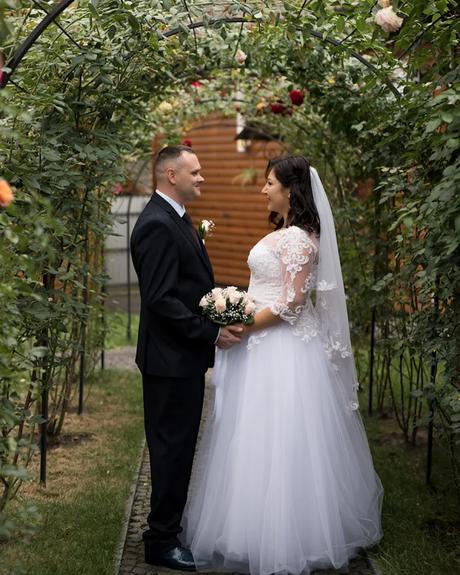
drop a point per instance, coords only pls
(118, 189)
(240, 57)
(387, 19)
(297, 97)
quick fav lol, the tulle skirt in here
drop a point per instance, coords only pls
(283, 480)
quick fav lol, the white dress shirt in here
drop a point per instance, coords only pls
(180, 209)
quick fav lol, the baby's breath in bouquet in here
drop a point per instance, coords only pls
(228, 305)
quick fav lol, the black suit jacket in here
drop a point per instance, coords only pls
(174, 272)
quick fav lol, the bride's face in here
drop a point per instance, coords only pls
(276, 194)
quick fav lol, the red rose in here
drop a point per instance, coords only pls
(196, 84)
(297, 97)
(277, 108)
(187, 143)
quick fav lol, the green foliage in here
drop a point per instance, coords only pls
(117, 329)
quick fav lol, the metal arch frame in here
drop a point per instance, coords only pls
(14, 62)
(31, 39)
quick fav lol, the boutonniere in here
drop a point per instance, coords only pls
(205, 228)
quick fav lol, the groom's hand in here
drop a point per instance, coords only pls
(229, 335)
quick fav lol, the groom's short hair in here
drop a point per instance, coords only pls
(167, 154)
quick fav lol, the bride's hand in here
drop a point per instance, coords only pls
(248, 329)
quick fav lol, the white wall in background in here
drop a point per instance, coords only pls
(117, 244)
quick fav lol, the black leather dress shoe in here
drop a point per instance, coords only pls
(178, 558)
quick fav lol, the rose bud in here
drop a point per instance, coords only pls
(277, 108)
(297, 97)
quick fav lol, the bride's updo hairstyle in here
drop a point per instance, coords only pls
(294, 173)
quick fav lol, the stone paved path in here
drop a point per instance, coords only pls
(121, 358)
(130, 560)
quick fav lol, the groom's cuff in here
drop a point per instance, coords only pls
(218, 335)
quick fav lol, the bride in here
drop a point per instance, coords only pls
(283, 480)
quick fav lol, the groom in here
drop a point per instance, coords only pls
(175, 344)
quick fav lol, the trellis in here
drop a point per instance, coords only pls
(52, 18)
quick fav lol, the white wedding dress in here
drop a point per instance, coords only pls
(283, 480)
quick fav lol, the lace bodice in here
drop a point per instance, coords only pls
(283, 272)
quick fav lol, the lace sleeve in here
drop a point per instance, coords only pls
(297, 253)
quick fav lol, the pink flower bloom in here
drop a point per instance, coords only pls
(240, 57)
(384, 3)
(388, 19)
(196, 84)
(118, 189)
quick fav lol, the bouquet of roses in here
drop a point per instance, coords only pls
(228, 305)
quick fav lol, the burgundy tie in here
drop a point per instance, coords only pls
(188, 220)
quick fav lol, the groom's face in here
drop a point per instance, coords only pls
(188, 178)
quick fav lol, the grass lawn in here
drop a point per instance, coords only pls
(421, 525)
(89, 479)
(117, 325)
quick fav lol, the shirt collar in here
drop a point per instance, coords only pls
(180, 209)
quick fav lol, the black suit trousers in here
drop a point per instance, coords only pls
(172, 413)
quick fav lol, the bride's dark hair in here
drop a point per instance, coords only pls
(294, 173)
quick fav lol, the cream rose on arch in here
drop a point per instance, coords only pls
(387, 19)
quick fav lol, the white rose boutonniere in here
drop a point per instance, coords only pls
(205, 228)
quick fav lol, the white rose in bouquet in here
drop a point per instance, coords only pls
(249, 308)
(234, 297)
(220, 304)
(228, 305)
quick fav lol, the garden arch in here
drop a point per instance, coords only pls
(164, 34)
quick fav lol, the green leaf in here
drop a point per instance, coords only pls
(39, 351)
